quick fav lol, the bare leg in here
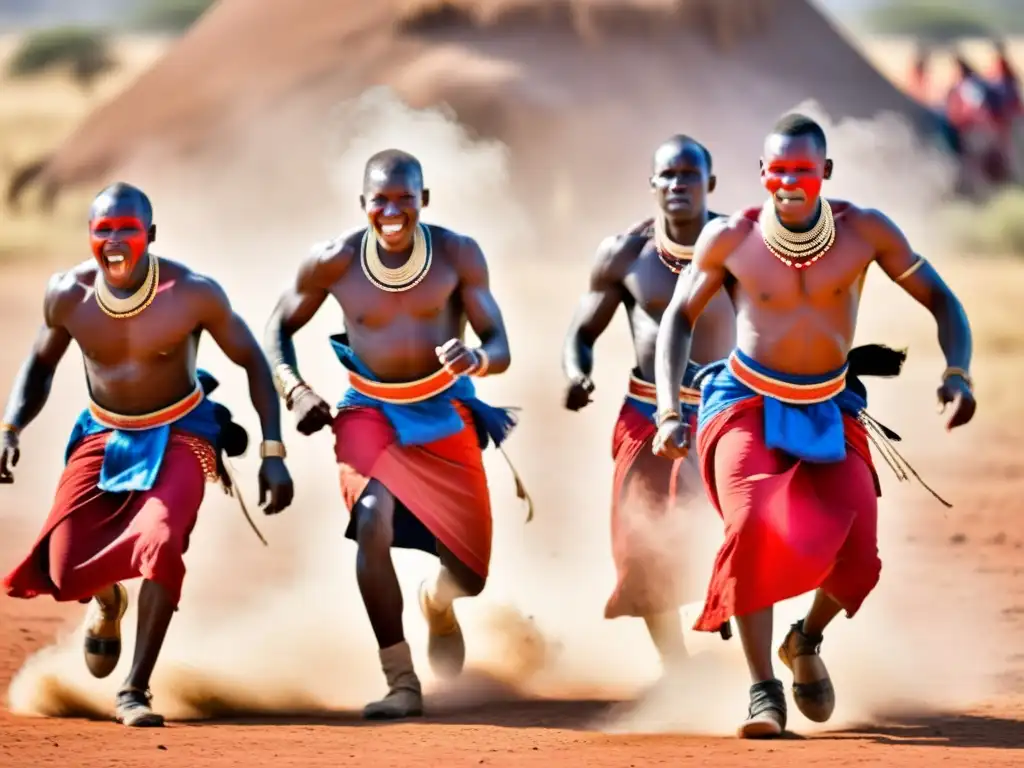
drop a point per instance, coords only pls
(666, 631)
(375, 571)
(382, 596)
(821, 613)
(756, 635)
(766, 717)
(155, 612)
(446, 647)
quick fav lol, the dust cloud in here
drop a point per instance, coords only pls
(283, 628)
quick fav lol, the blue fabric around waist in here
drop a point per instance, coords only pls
(650, 410)
(814, 432)
(428, 420)
(132, 458)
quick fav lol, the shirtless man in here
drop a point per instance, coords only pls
(639, 270)
(783, 455)
(140, 454)
(410, 431)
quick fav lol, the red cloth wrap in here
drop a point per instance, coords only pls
(648, 531)
(791, 526)
(93, 538)
(443, 484)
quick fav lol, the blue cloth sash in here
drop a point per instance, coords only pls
(813, 432)
(132, 458)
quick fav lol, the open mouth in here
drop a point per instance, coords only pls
(116, 262)
(392, 231)
(790, 197)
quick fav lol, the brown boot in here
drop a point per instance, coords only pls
(812, 687)
(405, 697)
(103, 632)
(446, 648)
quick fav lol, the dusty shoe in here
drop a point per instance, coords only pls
(812, 687)
(766, 718)
(133, 709)
(103, 633)
(405, 697)
(446, 648)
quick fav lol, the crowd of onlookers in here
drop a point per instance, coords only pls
(978, 114)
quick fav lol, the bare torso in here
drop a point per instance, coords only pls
(395, 334)
(648, 286)
(799, 321)
(140, 364)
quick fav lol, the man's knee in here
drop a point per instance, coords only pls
(469, 582)
(375, 518)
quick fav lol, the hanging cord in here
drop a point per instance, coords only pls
(882, 438)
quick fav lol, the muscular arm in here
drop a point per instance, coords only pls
(32, 385)
(595, 310)
(297, 306)
(480, 306)
(918, 278)
(233, 336)
(694, 289)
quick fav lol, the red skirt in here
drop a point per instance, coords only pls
(648, 536)
(791, 526)
(93, 538)
(440, 488)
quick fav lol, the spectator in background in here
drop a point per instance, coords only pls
(973, 108)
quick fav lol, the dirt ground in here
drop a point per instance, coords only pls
(983, 538)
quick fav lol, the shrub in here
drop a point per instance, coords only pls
(85, 51)
(992, 228)
(171, 15)
(942, 21)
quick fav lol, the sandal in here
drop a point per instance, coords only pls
(102, 644)
(813, 692)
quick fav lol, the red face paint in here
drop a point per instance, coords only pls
(118, 244)
(793, 173)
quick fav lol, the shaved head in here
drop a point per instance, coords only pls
(674, 146)
(794, 125)
(391, 163)
(122, 198)
(393, 195)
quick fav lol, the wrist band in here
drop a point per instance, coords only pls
(961, 372)
(287, 380)
(666, 415)
(6, 426)
(272, 449)
(483, 364)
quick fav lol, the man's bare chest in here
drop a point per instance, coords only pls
(363, 303)
(161, 331)
(765, 280)
(649, 284)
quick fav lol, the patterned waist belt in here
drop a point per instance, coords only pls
(784, 391)
(159, 418)
(645, 392)
(402, 393)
